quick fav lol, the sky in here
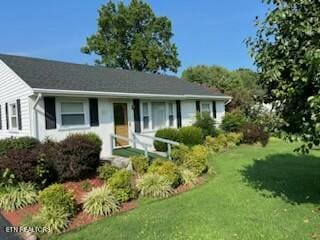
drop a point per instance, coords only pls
(210, 32)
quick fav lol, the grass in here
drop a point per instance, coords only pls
(129, 152)
(258, 193)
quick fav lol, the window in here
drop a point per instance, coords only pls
(145, 114)
(205, 108)
(72, 113)
(170, 113)
(13, 116)
(158, 115)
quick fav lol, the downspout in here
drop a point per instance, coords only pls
(35, 118)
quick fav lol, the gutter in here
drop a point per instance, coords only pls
(126, 95)
(228, 101)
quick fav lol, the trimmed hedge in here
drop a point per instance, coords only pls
(24, 164)
(17, 144)
(190, 136)
(233, 122)
(74, 158)
(79, 158)
(166, 133)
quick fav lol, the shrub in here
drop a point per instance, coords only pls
(57, 196)
(167, 169)
(106, 171)
(233, 121)
(154, 185)
(121, 185)
(179, 153)
(25, 165)
(190, 136)
(206, 124)
(140, 164)
(100, 202)
(166, 133)
(79, 158)
(17, 144)
(19, 196)
(188, 177)
(94, 138)
(214, 144)
(197, 160)
(234, 139)
(253, 133)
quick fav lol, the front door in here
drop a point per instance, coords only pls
(121, 123)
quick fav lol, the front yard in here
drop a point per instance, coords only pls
(257, 193)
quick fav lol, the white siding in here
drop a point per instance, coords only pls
(105, 128)
(12, 87)
(188, 117)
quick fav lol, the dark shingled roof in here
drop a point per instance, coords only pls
(47, 74)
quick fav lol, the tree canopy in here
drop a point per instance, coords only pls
(241, 84)
(286, 50)
(133, 37)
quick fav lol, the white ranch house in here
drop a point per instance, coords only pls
(43, 98)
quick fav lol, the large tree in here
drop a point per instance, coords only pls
(286, 50)
(133, 37)
(241, 84)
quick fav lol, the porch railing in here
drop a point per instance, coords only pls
(133, 140)
(168, 142)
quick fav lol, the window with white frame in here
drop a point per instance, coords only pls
(171, 115)
(146, 115)
(72, 114)
(205, 108)
(13, 116)
(159, 119)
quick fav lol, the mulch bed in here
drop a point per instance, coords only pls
(81, 218)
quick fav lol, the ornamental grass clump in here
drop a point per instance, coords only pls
(100, 202)
(188, 177)
(154, 185)
(13, 197)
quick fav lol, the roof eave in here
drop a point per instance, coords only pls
(59, 92)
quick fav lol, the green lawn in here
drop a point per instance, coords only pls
(257, 193)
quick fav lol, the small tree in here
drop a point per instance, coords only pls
(286, 52)
(133, 37)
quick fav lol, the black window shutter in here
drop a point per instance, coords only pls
(7, 115)
(198, 106)
(94, 112)
(179, 122)
(19, 114)
(50, 112)
(0, 118)
(214, 109)
(136, 115)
